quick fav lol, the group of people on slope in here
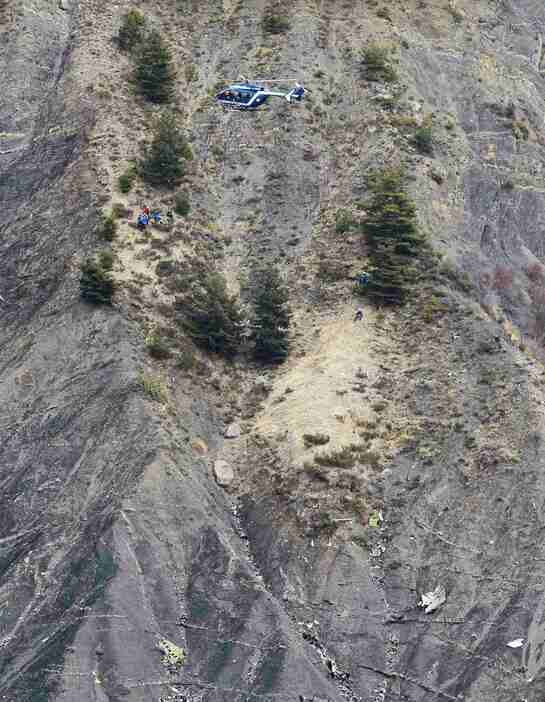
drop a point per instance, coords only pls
(146, 216)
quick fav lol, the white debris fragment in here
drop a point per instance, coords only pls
(433, 600)
(516, 643)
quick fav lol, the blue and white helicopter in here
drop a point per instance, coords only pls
(252, 95)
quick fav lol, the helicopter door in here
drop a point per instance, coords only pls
(246, 96)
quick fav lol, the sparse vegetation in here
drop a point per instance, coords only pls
(423, 138)
(344, 221)
(126, 180)
(164, 162)
(119, 210)
(316, 472)
(211, 316)
(520, 130)
(96, 285)
(185, 360)
(157, 346)
(153, 387)
(106, 259)
(376, 64)
(154, 73)
(331, 269)
(384, 13)
(315, 439)
(343, 458)
(275, 24)
(181, 204)
(271, 316)
(108, 228)
(393, 239)
(131, 31)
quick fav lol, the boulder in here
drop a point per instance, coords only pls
(223, 473)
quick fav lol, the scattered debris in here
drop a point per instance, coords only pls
(434, 599)
(516, 643)
(232, 431)
(375, 519)
(174, 656)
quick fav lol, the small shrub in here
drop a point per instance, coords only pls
(376, 64)
(343, 458)
(106, 259)
(384, 13)
(275, 24)
(403, 121)
(344, 222)
(108, 228)
(423, 139)
(96, 285)
(119, 210)
(157, 346)
(131, 31)
(191, 73)
(432, 307)
(181, 204)
(520, 130)
(326, 523)
(316, 472)
(315, 439)
(126, 180)
(185, 360)
(153, 387)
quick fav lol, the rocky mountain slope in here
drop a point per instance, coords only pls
(126, 571)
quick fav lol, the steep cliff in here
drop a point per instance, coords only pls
(126, 572)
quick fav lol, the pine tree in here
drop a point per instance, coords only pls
(154, 73)
(271, 316)
(212, 317)
(393, 239)
(163, 164)
(96, 285)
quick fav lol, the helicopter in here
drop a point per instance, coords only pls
(249, 95)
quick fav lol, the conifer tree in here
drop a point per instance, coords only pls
(96, 285)
(163, 164)
(154, 73)
(393, 239)
(271, 316)
(212, 317)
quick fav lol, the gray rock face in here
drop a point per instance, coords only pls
(113, 536)
(223, 473)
